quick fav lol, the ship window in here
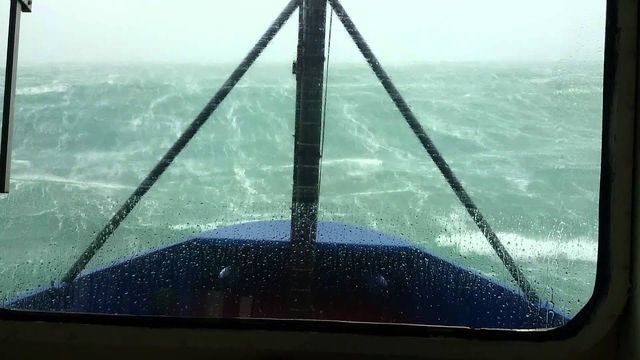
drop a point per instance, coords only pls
(415, 162)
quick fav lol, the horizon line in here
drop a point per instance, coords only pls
(338, 63)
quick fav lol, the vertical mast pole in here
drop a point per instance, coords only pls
(306, 156)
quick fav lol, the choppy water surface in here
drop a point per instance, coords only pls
(524, 139)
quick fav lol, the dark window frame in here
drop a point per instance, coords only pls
(610, 284)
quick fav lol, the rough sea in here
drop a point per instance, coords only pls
(523, 138)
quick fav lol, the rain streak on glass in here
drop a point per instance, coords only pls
(418, 172)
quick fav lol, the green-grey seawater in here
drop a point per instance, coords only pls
(524, 139)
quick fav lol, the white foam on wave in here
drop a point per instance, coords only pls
(194, 226)
(233, 118)
(370, 193)
(521, 247)
(362, 162)
(356, 162)
(66, 181)
(24, 163)
(93, 156)
(472, 242)
(264, 86)
(243, 180)
(216, 224)
(577, 91)
(520, 183)
(197, 168)
(42, 89)
(359, 130)
(542, 80)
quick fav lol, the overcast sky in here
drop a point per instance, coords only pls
(217, 31)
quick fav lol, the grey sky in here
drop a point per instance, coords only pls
(214, 31)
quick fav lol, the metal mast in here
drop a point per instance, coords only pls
(309, 69)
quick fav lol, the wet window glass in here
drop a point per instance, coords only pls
(415, 162)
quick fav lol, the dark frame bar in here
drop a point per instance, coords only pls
(10, 90)
(269, 335)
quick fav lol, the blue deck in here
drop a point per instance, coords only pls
(240, 271)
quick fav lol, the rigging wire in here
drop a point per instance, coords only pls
(179, 145)
(462, 195)
(324, 106)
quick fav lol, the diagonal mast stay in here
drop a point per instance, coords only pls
(308, 124)
(180, 144)
(473, 211)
